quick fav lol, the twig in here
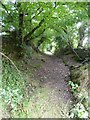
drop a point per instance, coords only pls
(82, 63)
(10, 61)
(76, 54)
(74, 51)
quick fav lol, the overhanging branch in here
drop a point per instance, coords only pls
(41, 41)
(5, 8)
(31, 32)
(37, 35)
(37, 13)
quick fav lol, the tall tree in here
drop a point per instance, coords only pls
(31, 20)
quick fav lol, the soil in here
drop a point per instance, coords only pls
(54, 76)
(52, 97)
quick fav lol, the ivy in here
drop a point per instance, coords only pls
(13, 87)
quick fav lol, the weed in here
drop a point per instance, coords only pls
(74, 86)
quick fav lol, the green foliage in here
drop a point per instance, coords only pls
(28, 51)
(13, 88)
(74, 86)
(79, 87)
(58, 18)
(61, 42)
(55, 21)
(79, 111)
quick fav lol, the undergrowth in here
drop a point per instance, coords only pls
(80, 107)
(18, 91)
(13, 89)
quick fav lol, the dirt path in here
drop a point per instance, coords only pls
(53, 76)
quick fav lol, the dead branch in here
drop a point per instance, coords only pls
(10, 61)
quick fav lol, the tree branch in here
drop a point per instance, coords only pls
(10, 61)
(5, 8)
(28, 41)
(37, 13)
(41, 41)
(82, 63)
(31, 32)
(37, 35)
(74, 51)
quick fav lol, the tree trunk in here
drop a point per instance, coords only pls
(81, 34)
(20, 33)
